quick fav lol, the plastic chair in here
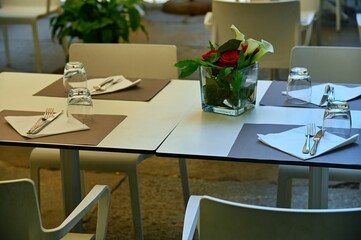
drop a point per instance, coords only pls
(26, 12)
(226, 220)
(131, 60)
(278, 22)
(358, 19)
(325, 64)
(21, 218)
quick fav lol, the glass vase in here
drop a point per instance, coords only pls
(231, 95)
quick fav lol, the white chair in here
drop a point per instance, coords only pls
(219, 219)
(21, 218)
(358, 19)
(131, 60)
(325, 64)
(278, 22)
(26, 12)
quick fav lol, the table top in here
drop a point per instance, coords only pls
(147, 123)
(205, 135)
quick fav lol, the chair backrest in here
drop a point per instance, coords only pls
(19, 210)
(329, 64)
(48, 5)
(130, 60)
(224, 220)
(310, 5)
(275, 22)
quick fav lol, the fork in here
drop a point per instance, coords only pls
(47, 114)
(310, 132)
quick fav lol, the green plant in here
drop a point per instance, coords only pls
(97, 21)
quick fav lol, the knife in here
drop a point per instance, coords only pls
(325, 95)
(316, 139)
(102, 84)
(45, 123)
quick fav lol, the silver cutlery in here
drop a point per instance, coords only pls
(45, 120)
(100, 87)
(325, 94)
(330, 94)
(310, 132)
(48, 112)
(316, 140)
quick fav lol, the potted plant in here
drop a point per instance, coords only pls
(97, 21)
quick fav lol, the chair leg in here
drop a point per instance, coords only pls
(35, 176)
(284, 190)
(6, 44)
(184, 178)
(36, 47)
(135, 202)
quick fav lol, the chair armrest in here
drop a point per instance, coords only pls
(191, 217)
(307, 18)
(99, 194)
(208, 20)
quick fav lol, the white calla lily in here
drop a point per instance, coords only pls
(239, 35)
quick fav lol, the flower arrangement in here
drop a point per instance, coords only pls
(225, 71)
(228, 56)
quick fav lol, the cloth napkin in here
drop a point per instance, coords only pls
(340, 92)
(292, 141)
(119, 83)
(60, 125)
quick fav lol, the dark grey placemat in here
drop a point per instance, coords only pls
(274, 97)
(247, 146)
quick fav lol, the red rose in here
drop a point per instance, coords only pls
(208, 54)
(229, 58)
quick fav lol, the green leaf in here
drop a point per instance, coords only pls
(187, 67)
(230, 45)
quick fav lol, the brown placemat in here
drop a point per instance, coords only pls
(101, 126)
(143, 92)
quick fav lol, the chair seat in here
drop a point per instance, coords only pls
(14, 12)
(78, 236)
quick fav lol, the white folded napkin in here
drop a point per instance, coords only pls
(292, 141)
(119, 83)
(340, 92)
(60, 125)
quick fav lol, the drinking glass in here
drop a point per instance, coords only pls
(299, 86)
(79, 103)
(74, 76)
(337, 119)
(80, 106)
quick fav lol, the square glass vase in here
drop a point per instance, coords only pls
(231, 95)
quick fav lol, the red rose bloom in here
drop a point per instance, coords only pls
(208, 54)
(229, 58)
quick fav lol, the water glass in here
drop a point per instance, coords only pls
(74, 76)
(80, 106)
(299, 86)
(337, 119)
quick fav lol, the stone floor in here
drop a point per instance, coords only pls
(160, 188)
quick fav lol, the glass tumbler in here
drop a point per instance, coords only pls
(80, 106)
(299, 86)
(337, 119)
(74, 76)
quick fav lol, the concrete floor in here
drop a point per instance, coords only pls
(161, 194)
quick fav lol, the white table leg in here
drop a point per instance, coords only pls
(318, 188)
(70, 170)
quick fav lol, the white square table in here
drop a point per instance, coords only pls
(204, 135)
(146, 126)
